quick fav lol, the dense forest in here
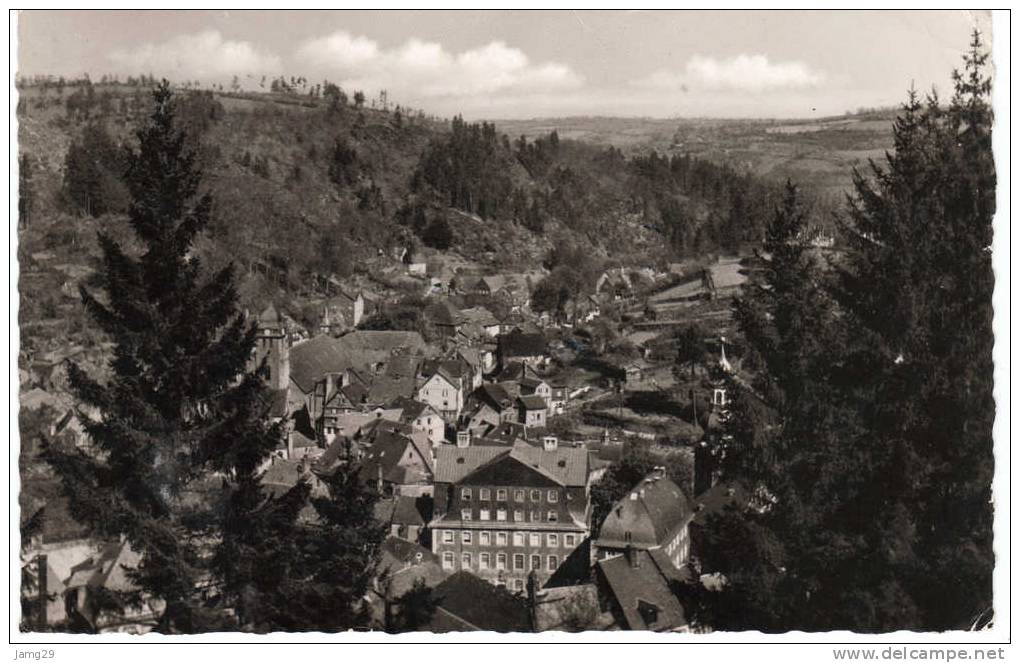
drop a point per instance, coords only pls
(311, 187)
(872, 506)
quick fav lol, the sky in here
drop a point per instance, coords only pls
(522, 64)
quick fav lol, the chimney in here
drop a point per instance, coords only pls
(550, 443)
(43, 581)
(463, 438)
(633, 557)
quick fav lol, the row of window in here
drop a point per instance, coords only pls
(534, 539)
(485, 513)
(485, 494)
(486, 560)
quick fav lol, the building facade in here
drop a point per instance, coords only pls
(503, 513)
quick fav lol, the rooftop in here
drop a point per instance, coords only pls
(567, 466)
(642, 591)
(647, 515)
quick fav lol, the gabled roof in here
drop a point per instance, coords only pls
(399, 510)
(533, 402)
(386, 452)
(532, 382)
(492, 283)
(496, 396)
(644, 591)
(311, 360)
(567, 466)
(650, 512)
(468, 603)
(387, 387)
(270, 316)
(479, 315)
(448, 371)
(107, 569)
(506, 433)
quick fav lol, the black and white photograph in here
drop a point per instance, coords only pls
(517, 325)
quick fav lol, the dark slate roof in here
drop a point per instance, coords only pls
(404, 562)
(522, 344)
(375, 343)
(531, 382)
(533, 402)
(473, 604)
(388, 449)
(496, 396)
(311, 360)
(505, 433)
(567, 466)
(647, 584)
(651, 512)
(387, 387)
(451, 369)
(400, 510)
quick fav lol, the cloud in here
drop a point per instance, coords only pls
(421, 69)
(743, 73)
(204, 55)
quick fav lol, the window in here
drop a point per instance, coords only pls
(518, 538)
(551, 516)
(465, 514)
(465, 561)
(569, 540)
(518, 495)
(536, 562)
(518, 516)
(501, 514)
(465, 494)
(519, 585)
(534, 539)
(536, 495)
(447, 560)
(518, 562)
(552, 540)
(465, 536)
(552, 562)
(485, 494)
(483, 513)
(500, 538)
(483, 561)
(553, 496)
(501, 494)
(500, 561)
(485, 538)
(447, 536)
(536, 516)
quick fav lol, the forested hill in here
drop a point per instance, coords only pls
(320, 184)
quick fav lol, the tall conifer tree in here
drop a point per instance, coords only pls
(181, 435)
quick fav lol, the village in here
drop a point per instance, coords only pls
(482, 436)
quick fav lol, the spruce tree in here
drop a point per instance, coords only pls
(918, 288)
(181, 435)
(881, 461)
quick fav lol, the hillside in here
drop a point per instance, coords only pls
(816, 153)
(308, 188)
